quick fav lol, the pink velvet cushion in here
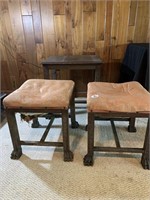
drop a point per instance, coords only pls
(117, 97)
(40, 93)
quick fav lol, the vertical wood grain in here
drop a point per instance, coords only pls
(142, 21)
(4, 70)
(68, 24)
(89, 32)
(106, 69)
(40, 57)
(120, 28)
(8, 44)
(48, 27)
(18, 38)
(30, 46)
(130, 36)
(6, 84)
(89, 6)
(25, 7)
(124, 7)
(133, 10)
(32, 30)
(148, 32)
(59, 23)
(77, 24)
(58, 7)
(37, 21)
(108, 26)
(100, 20)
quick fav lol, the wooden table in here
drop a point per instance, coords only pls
(76, 62)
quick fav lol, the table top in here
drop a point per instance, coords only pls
(75, 59)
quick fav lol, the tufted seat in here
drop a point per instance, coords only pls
(44, 96)
(114, 97)
(39, 93)
(117, 100)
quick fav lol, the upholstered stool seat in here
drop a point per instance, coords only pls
(41, 96)
(117, 100)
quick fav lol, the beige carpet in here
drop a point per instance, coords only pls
(41, 174)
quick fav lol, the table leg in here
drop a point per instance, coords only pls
(46, 72)
(97, 74)
(54, 74)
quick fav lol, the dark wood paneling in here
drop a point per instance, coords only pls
(30, 45)
(133, 9)
(89, 32)
(142, 21)
(37, 21)
(32, 30)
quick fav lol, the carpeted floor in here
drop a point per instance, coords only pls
(40, 173)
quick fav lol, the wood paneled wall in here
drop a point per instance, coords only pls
(32, 30)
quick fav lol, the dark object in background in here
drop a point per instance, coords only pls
(135, 65)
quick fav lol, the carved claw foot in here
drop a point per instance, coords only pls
(131, 129)
(88, 160)
(75, 125)
(15, 155)
(145, 163)
(68, 156)
(35, 123)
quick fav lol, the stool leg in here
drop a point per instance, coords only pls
(12, 124)
(74, 123)
(68, 155)
(88, 158)
(145, 161)
(131, 127)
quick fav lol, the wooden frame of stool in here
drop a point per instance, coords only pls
(12, 123)
(88, 159)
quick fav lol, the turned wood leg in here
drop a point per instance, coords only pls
(68, 155)
(12, 124)
(74, 123)
(131, 127)
(145, 161)
(88, 158)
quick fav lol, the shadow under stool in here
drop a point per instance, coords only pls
(42, 96)
(110, 101)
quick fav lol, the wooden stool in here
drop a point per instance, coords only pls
(41, 96)
(113, 100)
